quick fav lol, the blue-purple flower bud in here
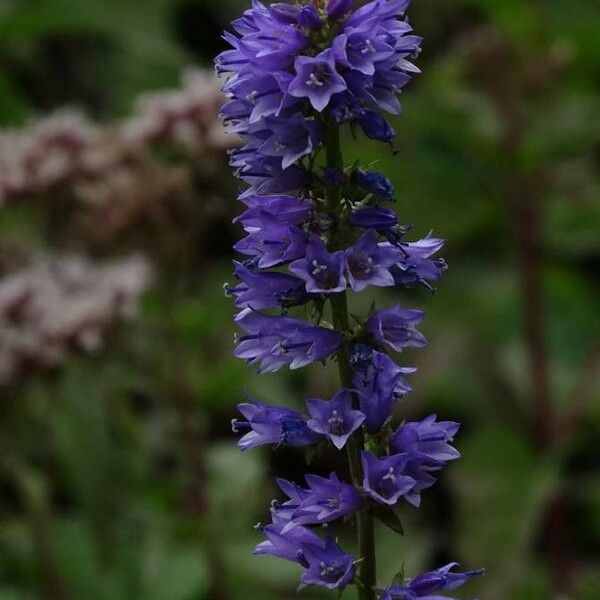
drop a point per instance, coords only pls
(333, 176)
(336, 9)
(375, 126)
(309, 17)
(375, 183)
(371, 217)
(284, 13)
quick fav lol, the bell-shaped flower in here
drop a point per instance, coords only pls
(263, 209)
(415, 264)
(367, 263)
(266, 424)
(328, 565)
(288, 545)
(380, 383)
(275, 243)
(335, 418)
(426, 585)
(317, 79)
(273, 341)
(384, 478)
(263, 289)
(322, 271)
(396, 327)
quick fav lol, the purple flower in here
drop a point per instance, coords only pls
(381, 25)
(377, 11)
(317, 79)
(266, 175)
(259, 290)
(291, 138)
(371, 217)
(375, 183)
(285, 209)
(325, 500)
(335, 418)
(387, 83)
(328, 566)
(422, 586)
(272, 425)
(380, 383)
(323, 272)
(267, 41)
(396, 327)
(285, 510)
(427, 441)
(325, 563)
(288, 545)
(384, 478)
(336, 9)
(415, 263)
(285, 13)
(359, 50)
(275, 243)
(277, 341)
(367, 263)
(256, 96)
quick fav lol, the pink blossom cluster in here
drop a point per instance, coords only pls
(186, 117)
(57, 307)
(66, 149)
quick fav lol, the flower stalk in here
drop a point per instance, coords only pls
(365, 527)
(316, 230)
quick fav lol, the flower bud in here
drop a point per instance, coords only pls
(375, 126)
(336, 9)
(309, 17)
(371, 217)
(375, 183)
(285, 13)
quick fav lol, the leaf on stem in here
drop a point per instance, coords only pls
(387, 515)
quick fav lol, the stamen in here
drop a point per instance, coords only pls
(318, 268)
(314, 81)
(368, 48)
(390, 475)
(336, 423)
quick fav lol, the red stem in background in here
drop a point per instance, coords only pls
(531, 283)
(529, 241)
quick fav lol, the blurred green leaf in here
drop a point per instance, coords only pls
(502, 488)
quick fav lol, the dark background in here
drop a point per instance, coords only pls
(119, 477)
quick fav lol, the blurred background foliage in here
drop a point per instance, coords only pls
(118, 475)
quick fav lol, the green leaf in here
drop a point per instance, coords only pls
(387, 515)
(400, 576)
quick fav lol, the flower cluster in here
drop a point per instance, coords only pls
(315, 229)
(68, 151)
(58, 307)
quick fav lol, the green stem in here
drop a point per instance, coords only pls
(366, 575)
